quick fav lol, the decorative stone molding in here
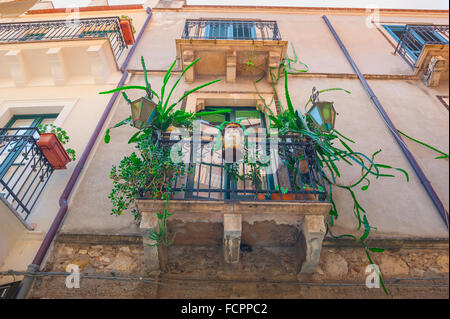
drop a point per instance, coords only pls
(57, 65)
(188, 57)
(310, 243)
(255, 223)
(226, 57)
(197, 101)
(232, 230)
(17, 67)
(231, 67)
(58, 62)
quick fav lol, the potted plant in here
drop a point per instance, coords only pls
(51, 142)
(127, 28)
(253, 160)
(282, 194)
(309, 196)
(150, 171)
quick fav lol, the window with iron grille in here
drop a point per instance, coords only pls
(411, 39)
(226, 30)
(231, 29)
(24, 170)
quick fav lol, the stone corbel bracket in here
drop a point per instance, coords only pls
(308, 218)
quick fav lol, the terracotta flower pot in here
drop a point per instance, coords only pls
(261, 196)
(307, 196)
(53, 150)
(127, 31)
(278, 196)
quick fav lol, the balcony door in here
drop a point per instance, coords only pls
(210, 178)
(231, 30)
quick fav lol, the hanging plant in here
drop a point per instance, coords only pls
(331, 147)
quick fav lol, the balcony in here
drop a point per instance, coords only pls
(217, 202)
(414, 38)
(60, 52)
(231, 30)
(24, 170)
(66, 30)
(226, 46)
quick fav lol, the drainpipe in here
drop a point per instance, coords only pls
(423, 179)
(63, 200)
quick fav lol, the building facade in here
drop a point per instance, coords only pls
(402, 54)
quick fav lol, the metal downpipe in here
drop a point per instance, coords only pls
(421, 175)
(63, 200)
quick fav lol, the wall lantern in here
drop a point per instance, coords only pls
(143, 111)
(322, 113)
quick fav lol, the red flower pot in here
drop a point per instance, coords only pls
(261, 196)
(53, 150)
(307, 196)
(278, 196)
(127, 31)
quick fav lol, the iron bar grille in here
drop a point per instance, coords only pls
(108, 27)
(414, 37)
(231, 30)
(24, 170)
(293, 169)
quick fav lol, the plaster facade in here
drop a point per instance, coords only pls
(398, 209)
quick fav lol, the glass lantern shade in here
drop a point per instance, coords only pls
(323, 115)
(141, 110)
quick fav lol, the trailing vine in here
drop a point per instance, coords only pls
(331, 147)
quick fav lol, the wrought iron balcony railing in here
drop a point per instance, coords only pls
(24, 170)
(414, 37)
(292, 171)
(108, 27)
(231, 30)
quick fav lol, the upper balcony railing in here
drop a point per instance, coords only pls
(231, 30)
(292, 171)
(108, 27)
(24, 170)
(414, 38)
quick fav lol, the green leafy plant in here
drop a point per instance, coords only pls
(165, 114)
(331, 148)
(255, 164)
(60, 134)
(160, 234)
(149, 171)
(442, 156)
(282, 189)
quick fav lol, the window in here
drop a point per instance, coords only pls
(414, 37)
(236, 30)
(11, 152)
